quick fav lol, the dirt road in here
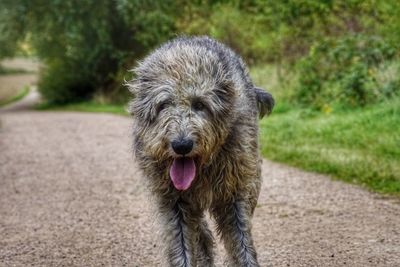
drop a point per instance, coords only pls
(70, 195)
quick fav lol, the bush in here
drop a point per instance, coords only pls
(343, 71)
(60, 84)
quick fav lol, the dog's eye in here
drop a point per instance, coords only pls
(198, 105)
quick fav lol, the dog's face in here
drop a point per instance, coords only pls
(183, 107)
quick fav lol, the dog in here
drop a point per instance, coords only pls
(195, 135)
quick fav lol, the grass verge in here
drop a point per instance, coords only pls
(358, 146)
(86, 107)
(21, 94)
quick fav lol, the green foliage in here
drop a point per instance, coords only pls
(227, 22)
(8, 36)
(85, 44)
(71, 84)
(389, 21)
(280, 31)
(343, 71)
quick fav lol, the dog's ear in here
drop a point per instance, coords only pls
(265, 102)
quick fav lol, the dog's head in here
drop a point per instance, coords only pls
(184, 105)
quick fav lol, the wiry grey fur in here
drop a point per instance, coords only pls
(168, 86)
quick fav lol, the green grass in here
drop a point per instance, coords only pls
(21, 94)
(86, 107)
(359, 146)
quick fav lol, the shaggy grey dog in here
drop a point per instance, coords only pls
(196, 139)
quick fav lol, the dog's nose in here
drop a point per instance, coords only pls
(182, 146)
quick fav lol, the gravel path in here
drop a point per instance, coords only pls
(70, 195)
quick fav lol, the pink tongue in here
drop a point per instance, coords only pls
(182, 173)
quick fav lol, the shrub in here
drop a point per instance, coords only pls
(343, 71)
(60, 83)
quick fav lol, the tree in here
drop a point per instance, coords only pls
(85, 43)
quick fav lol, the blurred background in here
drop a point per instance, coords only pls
(332, 65)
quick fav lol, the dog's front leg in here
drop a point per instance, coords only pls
(233, 224)
(180, 234)
(204, 245)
